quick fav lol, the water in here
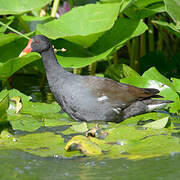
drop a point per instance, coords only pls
(19, 165)
(31, 87)
(23, 166)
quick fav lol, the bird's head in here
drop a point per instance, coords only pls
(38, 43)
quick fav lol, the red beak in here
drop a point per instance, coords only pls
(27, 49)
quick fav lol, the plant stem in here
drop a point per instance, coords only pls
(115, 58)
(55, 8)
(150, 36)
(24, 25)
(71, 3)
(92, 68)
(129, 48)
(142, 45)
(5, 84)
(77, 70)
(135, 53)
(42, 81)
(160, 41)
(165, 36)
(13, 30)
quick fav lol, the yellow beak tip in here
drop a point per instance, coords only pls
(22, 54)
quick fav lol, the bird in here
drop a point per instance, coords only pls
(91, 98)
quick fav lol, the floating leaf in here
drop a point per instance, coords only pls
(79, 127)
(25, 122)
(143, 117)
(84, 144)
(18, 102)
(41, 144)
(40, 109)
(132, 143)
(159, 124)
(15, 92)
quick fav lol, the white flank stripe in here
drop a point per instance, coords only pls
(102, 98)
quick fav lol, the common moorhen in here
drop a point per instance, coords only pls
(88, 98)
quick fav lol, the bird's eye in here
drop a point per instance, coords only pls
(38, 42)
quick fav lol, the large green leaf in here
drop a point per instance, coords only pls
(32, 21)
(12, 65)
(11, 45)
(176, 83)
(123, 30)
(7, 21)
(172, 7)
(19, 6)
(8, 38)
(77, 62)
(136, 12)
(120, 71)
(169, 26)
(156, 80)
(153, 74)
(4, 103)
(144, 3)
(82, 25)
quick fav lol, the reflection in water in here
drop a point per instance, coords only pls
(31, 87)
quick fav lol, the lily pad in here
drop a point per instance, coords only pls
(144, 117)
(139, 144)
(25, 122)
(79, 127)
(18, 102)
(40, 109)
(159, 124)
(42, 144)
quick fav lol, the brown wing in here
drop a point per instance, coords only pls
(118, 93)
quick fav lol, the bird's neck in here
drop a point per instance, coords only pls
(53, 69)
